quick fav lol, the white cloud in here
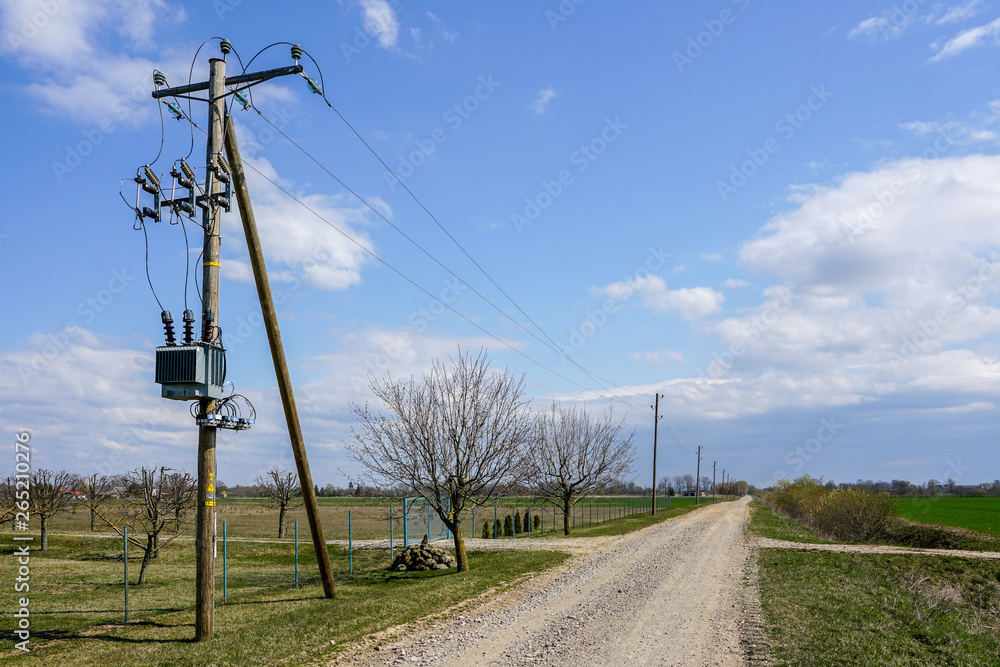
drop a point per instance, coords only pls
(973, 37)
(691, 303)
(711, 256)
(955, 13)
(380, 21)
(299, 246)
(888, 25)
(662, 357)
(91, 403)
(542, 99)
(77, 75)
(735, 283)
(978, 128)
(885, 296)
(885, 274)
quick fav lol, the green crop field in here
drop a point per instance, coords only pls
(979, 514)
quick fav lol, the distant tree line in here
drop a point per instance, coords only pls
(932, 487)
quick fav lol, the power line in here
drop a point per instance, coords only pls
(551, 344)
(321, 89)
(410, 280)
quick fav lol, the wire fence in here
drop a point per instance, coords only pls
(365, 537)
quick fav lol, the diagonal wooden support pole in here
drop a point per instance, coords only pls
(278, 356)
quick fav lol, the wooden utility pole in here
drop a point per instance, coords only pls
(713, 480)
(656, 424)
(212, 203)
(697, 478)
(278, 357)
(204, 542)
(723, 482)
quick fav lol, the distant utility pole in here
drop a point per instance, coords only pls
(713, 480)
(212, 203)
(656, 424)
(723, 482)
(697, 478)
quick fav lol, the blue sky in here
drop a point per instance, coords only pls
(781, 216)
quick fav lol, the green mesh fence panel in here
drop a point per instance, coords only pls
(420, 519)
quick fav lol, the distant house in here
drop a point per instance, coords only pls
(76, 495)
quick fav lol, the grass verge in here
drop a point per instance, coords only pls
(823, 608)
(76, 603)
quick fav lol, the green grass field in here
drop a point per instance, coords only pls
(979, 514)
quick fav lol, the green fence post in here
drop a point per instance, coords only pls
(225, 578)
(406, 524)
(296, 553)
(496, 529)
(350, 544)
(390, 532)
(125, 562)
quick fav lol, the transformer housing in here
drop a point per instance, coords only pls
(191, 372)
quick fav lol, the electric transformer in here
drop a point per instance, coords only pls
(191, 372)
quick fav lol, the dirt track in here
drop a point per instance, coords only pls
(768, 543)
(671, 594)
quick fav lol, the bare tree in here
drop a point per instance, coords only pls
(457, 436)
(48, 495)
(8, 499)
(706, 484)
(281, 490)
(680, 485)
(96, 488)
(664, 486)
(573, 454)
(161, 498)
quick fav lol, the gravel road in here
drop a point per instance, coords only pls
(671, 594)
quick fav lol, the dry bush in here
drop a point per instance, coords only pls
(852, 515)
(797, 499)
